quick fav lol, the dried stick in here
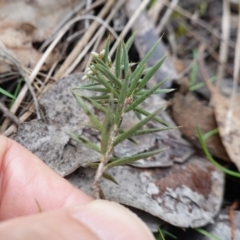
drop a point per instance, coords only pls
(9, 114)
(235, 78)
(78, 48)
(166, 16)
(200, 22)
(128, 26)
(84, 52)
(223, 55)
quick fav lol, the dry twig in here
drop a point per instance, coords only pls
(223, 55)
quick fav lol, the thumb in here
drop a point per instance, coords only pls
(97, 220)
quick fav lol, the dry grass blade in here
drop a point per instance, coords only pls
(78, 48)
(200, 22)
(128, 26)
(166, 16)
(223, 55)
(9, 114)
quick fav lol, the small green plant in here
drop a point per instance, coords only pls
(202, 139)
(119, 90)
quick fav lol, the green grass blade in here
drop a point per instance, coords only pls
(95, 122)
(207, 234)
(161, 234)
(131, 159)
(150, 73)
(168, 234)
(108, 74)
(146, 113)
(118, 62)
(85, 142)
(131, 131)
(211, 159)
(194, 71)
(17, 90)
(6, 93)
(210, 133)
(143, 97)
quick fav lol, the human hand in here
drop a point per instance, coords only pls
(67, 213)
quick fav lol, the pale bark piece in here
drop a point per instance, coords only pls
(187, 195)
(54, 147)
(60, 107)
(145, 39)
(188, 112)
(50, 141)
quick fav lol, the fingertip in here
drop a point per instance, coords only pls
(110, 220)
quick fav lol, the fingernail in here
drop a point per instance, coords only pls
(111, 221)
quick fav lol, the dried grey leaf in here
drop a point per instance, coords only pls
(188, 195)
(61, 109)
(54, 147)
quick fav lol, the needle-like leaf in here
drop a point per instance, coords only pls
(101, 79)
(141, 98)
(107, 125)
(131, 159)
(95, 104)
(145, 59)
(151, 130)
(106, 54)
(146, 113)
(118, 62)
(150, 73)
(85, 142)
(95, 122)
(107, 73)
(130, 132)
